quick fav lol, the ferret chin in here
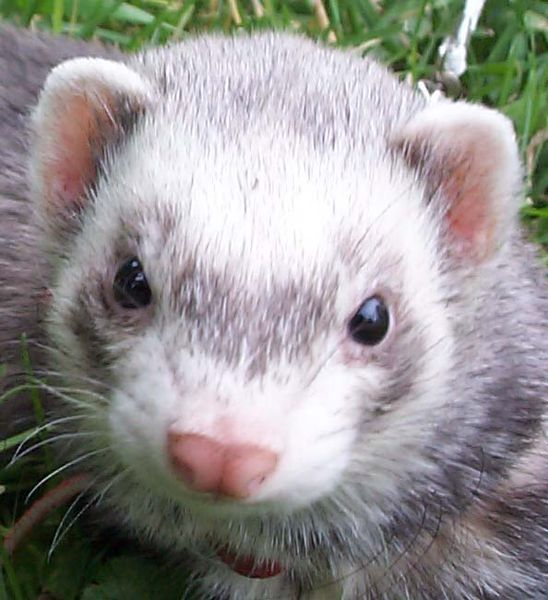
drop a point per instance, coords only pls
(288, 300)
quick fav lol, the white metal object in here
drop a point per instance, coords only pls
(454, 48)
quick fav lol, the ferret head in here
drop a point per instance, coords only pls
(261, 253)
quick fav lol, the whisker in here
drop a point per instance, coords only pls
(23, 387)
(62, 468)
(37, 430)
(38, 372)
(70, 399)
(41, 508)
(409, 546)
(49, 440)
(60, 533)
(76, 377)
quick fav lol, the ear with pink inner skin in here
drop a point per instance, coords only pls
(86, 107)
(468, 156)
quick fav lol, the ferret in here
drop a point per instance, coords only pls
(285, 299)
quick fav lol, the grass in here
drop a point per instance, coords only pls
(508, 69)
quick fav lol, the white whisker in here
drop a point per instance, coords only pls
(76, 461)
(37, 430)
(50, 440)
(59, 532)
(95, 499)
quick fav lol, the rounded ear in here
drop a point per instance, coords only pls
(468, 157)
(87, 106)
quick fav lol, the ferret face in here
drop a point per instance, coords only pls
(246, 313)
(252, 286)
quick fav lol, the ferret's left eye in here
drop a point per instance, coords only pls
(131, 289)
(370, 324)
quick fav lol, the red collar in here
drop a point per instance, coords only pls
(248, 566)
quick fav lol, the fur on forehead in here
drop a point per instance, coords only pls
(268, 203)
(233, 103)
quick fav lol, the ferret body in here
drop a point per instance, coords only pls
(291, 306)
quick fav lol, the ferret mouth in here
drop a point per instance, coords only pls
(249, 566)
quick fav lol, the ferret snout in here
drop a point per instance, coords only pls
(207, 465)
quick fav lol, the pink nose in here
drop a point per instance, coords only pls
(205, 465)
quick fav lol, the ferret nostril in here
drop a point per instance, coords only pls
(205, 465)
(184, 471)
(196, 460)
(246, 469)
(254, 484)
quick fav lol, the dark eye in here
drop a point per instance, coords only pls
(131, 289)
(370, 324)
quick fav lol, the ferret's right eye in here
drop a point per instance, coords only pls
(370, 324)
(131, 289)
